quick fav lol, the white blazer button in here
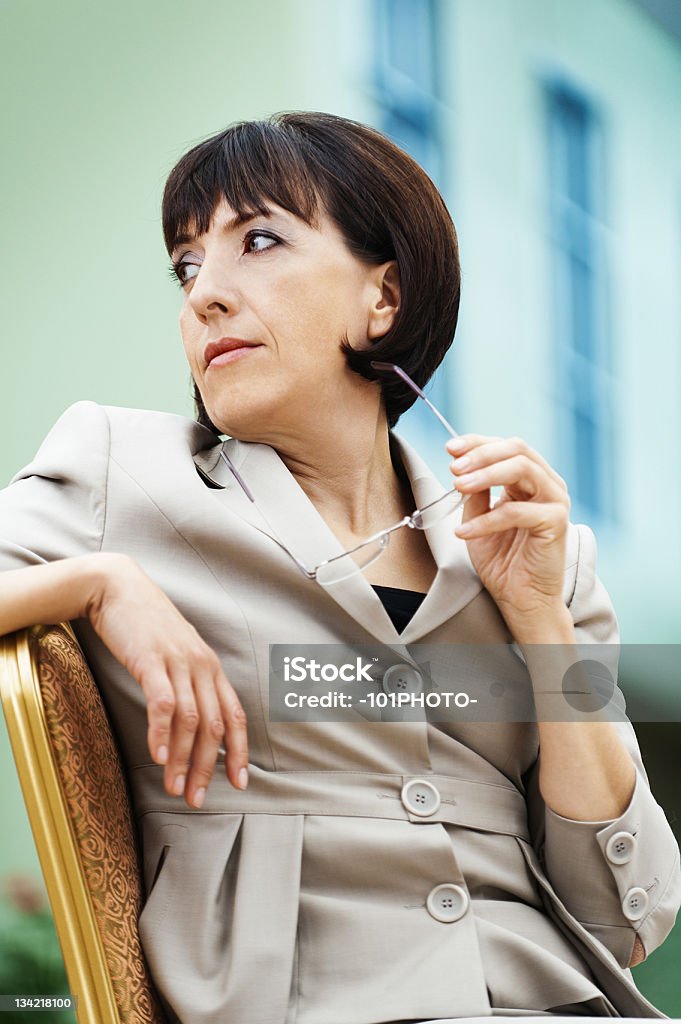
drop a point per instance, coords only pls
(635, 903)
(402, 679)
(447, 902)
(620, 847)
(420, 797)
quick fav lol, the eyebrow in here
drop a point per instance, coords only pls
(230, 225)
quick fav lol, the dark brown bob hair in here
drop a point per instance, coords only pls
(382, 201)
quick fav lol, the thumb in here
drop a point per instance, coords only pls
(475, 505)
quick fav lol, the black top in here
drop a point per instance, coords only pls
(399, 604)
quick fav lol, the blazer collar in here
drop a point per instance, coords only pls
(283, 511)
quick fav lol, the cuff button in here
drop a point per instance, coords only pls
(620, 847)
(635, 903)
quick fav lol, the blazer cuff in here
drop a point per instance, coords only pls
(620, 877)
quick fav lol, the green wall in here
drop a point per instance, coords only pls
(99, 101)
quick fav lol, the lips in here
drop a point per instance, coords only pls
(216, 348)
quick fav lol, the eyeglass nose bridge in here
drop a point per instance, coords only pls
(414, 522)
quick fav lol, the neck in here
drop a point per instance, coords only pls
(356, 480)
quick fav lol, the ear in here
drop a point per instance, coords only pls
(385, 299)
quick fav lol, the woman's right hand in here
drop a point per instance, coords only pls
(191, 705)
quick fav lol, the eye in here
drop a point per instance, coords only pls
(182, 271)
(251, 235)
(178, 271)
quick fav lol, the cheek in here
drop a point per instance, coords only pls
(189, 329)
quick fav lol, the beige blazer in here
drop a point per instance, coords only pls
(316, 896)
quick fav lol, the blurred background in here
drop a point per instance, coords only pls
(553, 130)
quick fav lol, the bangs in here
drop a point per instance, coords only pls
(249, 164)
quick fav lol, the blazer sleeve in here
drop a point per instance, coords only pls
(619, 878)
(55, 506)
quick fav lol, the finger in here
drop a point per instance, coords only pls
(160, 698)
(465, 442)
(208, 735)
(183, 729)
(236, 734)
(548, 518)
(476, 503)
(522, 477)
(482, 451)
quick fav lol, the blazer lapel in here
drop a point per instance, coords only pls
(282, 511)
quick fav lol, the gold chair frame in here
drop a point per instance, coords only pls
(87, 847)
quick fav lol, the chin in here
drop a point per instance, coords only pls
(242, 424)
(253, 412)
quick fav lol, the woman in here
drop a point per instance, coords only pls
(356, 871)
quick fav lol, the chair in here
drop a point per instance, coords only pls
(79, 808)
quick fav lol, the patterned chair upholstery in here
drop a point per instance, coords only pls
(79, 808)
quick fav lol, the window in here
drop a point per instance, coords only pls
(585, 387)
(405, 88)
(405, 77)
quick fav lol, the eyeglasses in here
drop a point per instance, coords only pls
(357, 559)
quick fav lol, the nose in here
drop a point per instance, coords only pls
(212, 292)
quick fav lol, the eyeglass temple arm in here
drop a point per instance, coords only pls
(306, 572)
(407, 379)
(235, 473)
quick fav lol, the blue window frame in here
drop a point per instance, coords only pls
(405, 78)
(585, 383)
(405, 85)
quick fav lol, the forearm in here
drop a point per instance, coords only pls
(585, 771)
(54, 592)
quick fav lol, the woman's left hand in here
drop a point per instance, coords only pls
(518, 546)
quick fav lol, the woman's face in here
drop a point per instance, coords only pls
(292, 291)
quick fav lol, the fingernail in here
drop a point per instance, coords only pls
(243, 778)
(464, 528)
(162, 754)
(179, 785)
(199, 795)
(456, 444)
